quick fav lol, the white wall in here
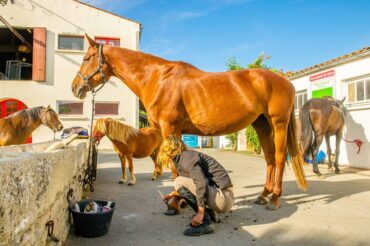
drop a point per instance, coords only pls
(69, 17)
(357, 119)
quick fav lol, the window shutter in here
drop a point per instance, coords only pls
(39, 54)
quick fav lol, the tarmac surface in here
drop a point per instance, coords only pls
(334, 211)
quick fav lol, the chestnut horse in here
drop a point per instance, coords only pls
(129, 143)
(16, 128)
(180, 98)
(322, 118)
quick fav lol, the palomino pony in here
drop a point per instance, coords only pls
(129, 142)
(180, 98)
(16, 128)
(322, 118)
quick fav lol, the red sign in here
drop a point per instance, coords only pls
(322, 75)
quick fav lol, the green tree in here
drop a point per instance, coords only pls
(251, 135)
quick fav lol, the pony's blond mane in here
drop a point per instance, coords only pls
(115, 130)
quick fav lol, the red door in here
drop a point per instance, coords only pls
(9, 106)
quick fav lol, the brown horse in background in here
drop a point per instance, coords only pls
(180, 98)
(322, 118)
(129, 143)
(16, 128)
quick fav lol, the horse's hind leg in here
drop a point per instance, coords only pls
(280, 126)
(265, 137)
(328, 151)
(131, 168)
(123, 166)
(316, 146)
(338, 138)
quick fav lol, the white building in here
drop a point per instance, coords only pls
(42, 75)
(346, 76)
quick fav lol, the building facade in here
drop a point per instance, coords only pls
(40, 74)
(346, 76)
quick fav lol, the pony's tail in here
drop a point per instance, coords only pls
(307, 130)
(295, 153)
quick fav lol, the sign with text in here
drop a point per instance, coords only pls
(322, 84)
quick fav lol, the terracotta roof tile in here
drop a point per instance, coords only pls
(313, 68)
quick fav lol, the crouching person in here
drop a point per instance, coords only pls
(202, 182)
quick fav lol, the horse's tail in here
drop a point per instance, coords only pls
(307, 130)
(295, 153)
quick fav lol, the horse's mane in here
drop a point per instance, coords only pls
(32, 113)
(115, 130)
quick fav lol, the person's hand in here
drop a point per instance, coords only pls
(198, 218)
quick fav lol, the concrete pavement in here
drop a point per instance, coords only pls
(334, 211)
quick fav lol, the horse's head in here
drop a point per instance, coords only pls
(50, 118)
(93, 72)
(340, 105)
(100, 129)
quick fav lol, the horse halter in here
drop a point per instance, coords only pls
(99, 69)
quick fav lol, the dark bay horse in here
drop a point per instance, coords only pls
(16, 128)
(322, 117)
(180, 98)
(129, 142)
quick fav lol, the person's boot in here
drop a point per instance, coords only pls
(207, 226)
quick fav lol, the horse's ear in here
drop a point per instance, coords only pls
(48, 107)
(344, 98)
(91, 41)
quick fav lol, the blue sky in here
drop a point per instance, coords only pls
(206, 33)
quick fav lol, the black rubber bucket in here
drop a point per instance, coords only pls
(92, 224)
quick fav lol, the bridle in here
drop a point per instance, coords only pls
(45, 120)
(99, 69)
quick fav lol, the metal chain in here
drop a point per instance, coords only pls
(50, 226)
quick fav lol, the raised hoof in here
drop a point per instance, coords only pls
(337, 171)
(273, 205)
(261, 200)
(171, 211)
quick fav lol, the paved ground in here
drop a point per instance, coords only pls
(334, 211)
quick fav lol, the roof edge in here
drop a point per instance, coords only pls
(106, 11)
(331, 63)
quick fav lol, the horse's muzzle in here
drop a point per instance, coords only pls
(60, 127)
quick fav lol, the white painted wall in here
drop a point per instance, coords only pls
(358, 117)
(69, 17)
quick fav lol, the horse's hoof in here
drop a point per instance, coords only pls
(261, 200)
(130, 184)
(121, 182)
(317, 173)
(337, 171)
(273, 205)
(153, 179)
(330, 169)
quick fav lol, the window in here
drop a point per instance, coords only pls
(70, 108)
(16, 57)
(300, 99)
(106, 108)
(110, 41)
(68, 42)
(358, 91)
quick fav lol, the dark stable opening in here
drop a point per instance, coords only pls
(15, 57)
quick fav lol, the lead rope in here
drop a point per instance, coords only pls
(358, 143)
(90, 173)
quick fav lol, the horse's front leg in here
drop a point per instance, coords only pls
(157, 168)
(338, 138)
(328, 151)
(131, 168)
(123, 166)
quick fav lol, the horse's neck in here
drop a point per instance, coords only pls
(25, 124)
(132, 67)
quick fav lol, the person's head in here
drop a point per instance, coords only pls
(171, 147)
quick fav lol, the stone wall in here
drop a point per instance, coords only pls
(33, 190)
